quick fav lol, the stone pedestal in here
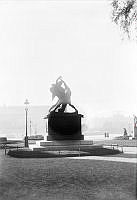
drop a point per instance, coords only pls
(64, 126)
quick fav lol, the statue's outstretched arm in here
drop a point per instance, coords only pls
(66, 86)
(59, 78)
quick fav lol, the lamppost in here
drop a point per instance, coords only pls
(26, 111)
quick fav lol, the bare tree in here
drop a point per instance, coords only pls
(124, 14)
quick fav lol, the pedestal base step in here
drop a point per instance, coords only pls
(66, 143)
(68, 148)
(70, 145)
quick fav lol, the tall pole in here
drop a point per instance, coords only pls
(26, 111)
(30, 127)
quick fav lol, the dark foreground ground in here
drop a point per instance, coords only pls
(65, 179)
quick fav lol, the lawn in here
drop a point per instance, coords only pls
(65, 178)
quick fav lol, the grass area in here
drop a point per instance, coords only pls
(65, 179)
(23, 153)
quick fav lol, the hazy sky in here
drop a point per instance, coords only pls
(41, 40)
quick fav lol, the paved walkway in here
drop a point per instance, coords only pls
(130, 150)
(115, 159)
(127, 150)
